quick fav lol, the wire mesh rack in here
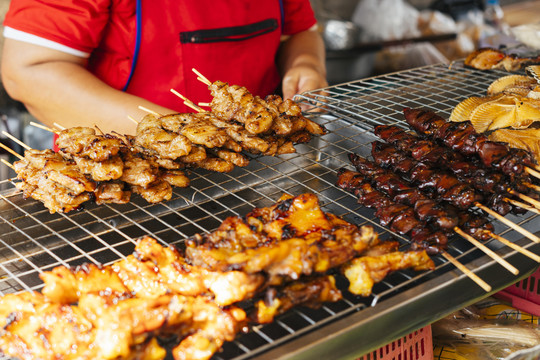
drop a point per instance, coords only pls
(32, 240)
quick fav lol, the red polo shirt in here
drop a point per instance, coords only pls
(147, 47)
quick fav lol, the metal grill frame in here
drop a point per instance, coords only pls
(32, 240)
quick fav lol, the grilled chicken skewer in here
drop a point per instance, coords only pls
(109, 326)
(284, 241)
(271, 115)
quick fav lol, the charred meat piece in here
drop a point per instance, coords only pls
(155, 192)
(112, 193)
(311, 292)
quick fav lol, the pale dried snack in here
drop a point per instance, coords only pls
(527, 139)
(520, 84)
(494, 114)
(527, 112)
(463, 110)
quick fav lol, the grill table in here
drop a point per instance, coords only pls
(32, 240)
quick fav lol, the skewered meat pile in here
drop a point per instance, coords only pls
(426, 190)
(53, 180)
(119, 310)
(149, 164)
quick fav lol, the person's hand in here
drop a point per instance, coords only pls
(302, 78)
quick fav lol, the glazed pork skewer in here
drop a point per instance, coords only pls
(462, 137)
(428, 178)
(468, 170)
(439, 215)
(466, 224)
(401, 219)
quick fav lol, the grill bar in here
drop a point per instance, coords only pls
(33, 241)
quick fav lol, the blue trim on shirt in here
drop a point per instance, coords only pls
(282, 10)
(138, 17)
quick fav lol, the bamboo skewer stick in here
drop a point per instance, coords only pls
(513, 246)
(530, 200)
(532, 172)
(43, 127)
(509, 223)
(133, 119)
(204, 104)
(532, 186)
(488, 251)
(59, 126)
(8, 164)
(187, 102)
(201, 77)
(16, 140)
(11, 151)
(522, 205)
(150, 111)
(516, 247)
(467, 272)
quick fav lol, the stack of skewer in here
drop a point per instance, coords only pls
(428, 185)
(108, 168)
(237, 276)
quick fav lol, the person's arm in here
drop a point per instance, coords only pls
(57, 88)
(302, 63)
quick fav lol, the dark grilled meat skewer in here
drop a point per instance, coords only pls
(444, 184)
(438, 215)
(397, 217)
(463, 138)
(493, 185)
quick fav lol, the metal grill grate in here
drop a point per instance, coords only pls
(32, 240)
